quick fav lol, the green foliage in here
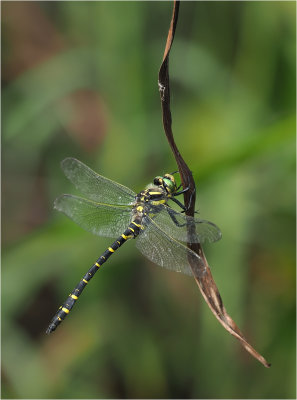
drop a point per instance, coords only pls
(86, 86)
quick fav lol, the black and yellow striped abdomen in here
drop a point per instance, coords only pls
(130, 232)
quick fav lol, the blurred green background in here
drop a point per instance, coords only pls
(80, 79)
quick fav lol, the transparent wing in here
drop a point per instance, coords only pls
(99, 219)
(95, 186)
(167, 252)
(176, 224)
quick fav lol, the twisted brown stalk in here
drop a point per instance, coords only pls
(205, 282)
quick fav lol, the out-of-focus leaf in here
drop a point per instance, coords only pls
(33, 95)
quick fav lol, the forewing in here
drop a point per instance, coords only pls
(167, 252)
(176, 225)
(99, 219)
(95, 186)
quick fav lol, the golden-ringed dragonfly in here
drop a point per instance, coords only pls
(112, 210)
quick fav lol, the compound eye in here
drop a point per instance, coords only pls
(168, 176)
(169, 185)
(158, 181)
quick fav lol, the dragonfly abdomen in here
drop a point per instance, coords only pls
(65, 308)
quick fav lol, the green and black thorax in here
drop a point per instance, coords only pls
(158, 194)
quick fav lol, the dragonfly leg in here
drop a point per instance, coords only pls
(190, 202)
(182, 191)
(179, 204)
(172, 216)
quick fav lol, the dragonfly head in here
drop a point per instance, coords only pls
(166, 182)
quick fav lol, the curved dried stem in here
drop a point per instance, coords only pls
(205, 282)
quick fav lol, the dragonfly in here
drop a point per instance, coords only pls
(110, 209)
